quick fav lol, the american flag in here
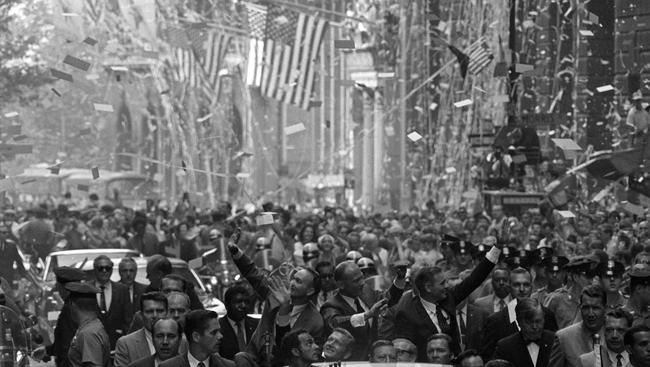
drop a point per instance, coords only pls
(199, 56)
(479, 56)
(284, 48)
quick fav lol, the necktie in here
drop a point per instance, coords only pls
(442, 321)
(201, 364)
(619, 360)
(102, 298)
(502, 305)
(358, 304)
(463, 327)
(241, 336)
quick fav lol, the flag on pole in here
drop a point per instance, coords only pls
(463, 60)
(199, 54)
(476, 58)
(479, 56)
(283, 53)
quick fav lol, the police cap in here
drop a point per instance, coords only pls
(585, 265)
(81, 290)
(554, 263)
(611, 269)
(519, 258)
(640, 271)
(67, 274)
(541, 253)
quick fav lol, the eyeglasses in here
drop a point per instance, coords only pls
(104, 268)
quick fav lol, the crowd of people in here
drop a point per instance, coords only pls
(453, 287)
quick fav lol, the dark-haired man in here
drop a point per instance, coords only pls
(128, 269)
(382, 351)
(573, 341)
(637, 344)
(504, 322)
(237, 327)
(439, 349)
(531, 346)
(501, 297)
(432, 308)
(299, 349)
(303, 288)
(203, 334)
(113, 300)
(613, 353)
(139, 344)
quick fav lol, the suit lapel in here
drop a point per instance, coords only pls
(423, 315)
(346, 306)
(544, 350)
(525, 356)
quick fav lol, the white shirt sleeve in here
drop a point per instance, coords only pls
(493, 255)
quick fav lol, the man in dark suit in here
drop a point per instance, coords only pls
(352, 309)
(237, 328)
(138, 344)
(501, 297)
(128, 269)
(503, 323)
(531, 346)
(166, 339)
(470, 318)
(299, 349)
(113, 300)
(305, 285)
(203, 333)
(430, 310)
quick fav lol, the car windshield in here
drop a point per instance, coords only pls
(79, 260)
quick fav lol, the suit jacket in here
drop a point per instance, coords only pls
(498, 326)
(64, 331)
(513, 349)
(474, 322)
(413, 322)
(589, 360)
(486, 303)
(131, 348)
(229, 346)
(138, 290)
(569, 344)
(182, 361)
(116, 320)
(336, 312)
(145, 362)
(310, 319)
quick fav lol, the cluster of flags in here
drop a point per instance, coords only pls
(477, 58)
(199, 55)
(283, 50)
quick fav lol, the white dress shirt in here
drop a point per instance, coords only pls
(356, 320)
(431, 311)
(496, 300)
(512, 315)
(533, 352)
(195, 362)
(108, 294)
(149, 338)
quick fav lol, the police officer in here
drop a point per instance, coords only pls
(519, 259)
(611, 277)
(565, 301)
(637, 304)
(66, 327)
(90, 345)
(538, 270)
(555, 277)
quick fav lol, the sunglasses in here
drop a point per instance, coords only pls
(104, 268)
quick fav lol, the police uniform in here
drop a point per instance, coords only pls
(550, 264)
(66, 327)
(612, 270)
(519, 259)
(639, 272)
(539, 276)
(90, 344)
(565, 301)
